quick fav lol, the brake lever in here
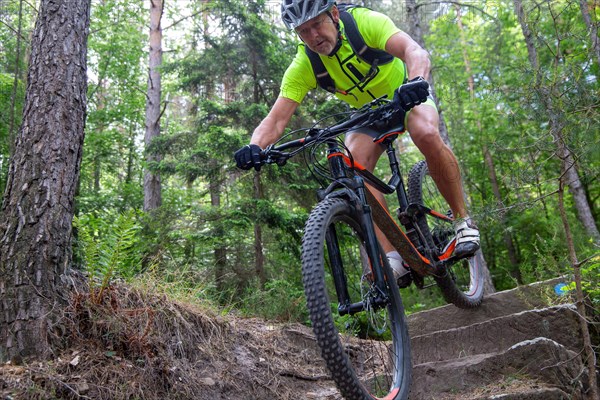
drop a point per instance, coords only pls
(271, 156)
(281, 161)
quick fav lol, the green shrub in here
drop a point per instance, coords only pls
(280, 300)
(107, 248)
(590, 282)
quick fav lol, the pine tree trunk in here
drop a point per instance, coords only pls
(37, 209)
(152, 182)
(259, 257)
(580, 199)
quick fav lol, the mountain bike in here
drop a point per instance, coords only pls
(349, 286)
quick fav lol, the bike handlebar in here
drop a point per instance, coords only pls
(380, 112)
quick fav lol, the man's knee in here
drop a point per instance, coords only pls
(366, 159)
(427, 136)
(423, 126)
(364, 151)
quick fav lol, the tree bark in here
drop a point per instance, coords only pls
(152, 182)
(37, 209)
(259, 257)
(585, 7)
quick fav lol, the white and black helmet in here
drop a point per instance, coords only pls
(297, 12)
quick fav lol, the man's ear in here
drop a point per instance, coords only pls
(335, 14)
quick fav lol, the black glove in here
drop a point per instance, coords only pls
(248, 157)
(412, 93)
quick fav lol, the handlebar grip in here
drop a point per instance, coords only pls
(412, 93)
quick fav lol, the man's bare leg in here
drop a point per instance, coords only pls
(423, 123)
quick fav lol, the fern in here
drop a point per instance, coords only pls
(108, 249)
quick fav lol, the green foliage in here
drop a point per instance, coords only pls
(359, 325)
(108, 248)
(590, 282)
(415, 300)
(221, 74)
(16, 23)
(111, 170)
(12, 19)
(6, 116)
(503, 115)
(280, 300)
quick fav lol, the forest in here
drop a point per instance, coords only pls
(172, 89)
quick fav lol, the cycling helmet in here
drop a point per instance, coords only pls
(297, 12)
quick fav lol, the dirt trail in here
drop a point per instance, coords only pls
(133, 345)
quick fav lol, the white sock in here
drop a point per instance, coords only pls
(395, 260)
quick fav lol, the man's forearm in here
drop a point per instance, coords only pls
(417, 62)
(266, 133)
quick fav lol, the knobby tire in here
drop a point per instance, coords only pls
(379, 366)
(461, 283)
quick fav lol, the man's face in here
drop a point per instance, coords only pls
(320, 33)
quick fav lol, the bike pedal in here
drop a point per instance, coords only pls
(404, 281)
(465, 251)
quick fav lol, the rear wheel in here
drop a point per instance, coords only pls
(368, 353)
(462, 282)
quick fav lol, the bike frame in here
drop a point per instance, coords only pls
(349, 178)
(348, 181)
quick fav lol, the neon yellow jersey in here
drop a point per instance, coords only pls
(376, 29)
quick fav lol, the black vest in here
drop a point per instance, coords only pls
(373, 57)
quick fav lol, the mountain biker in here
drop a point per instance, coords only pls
(318, 25)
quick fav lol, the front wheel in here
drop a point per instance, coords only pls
(368, 352)
(462, 282)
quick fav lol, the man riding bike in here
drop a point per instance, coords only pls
(357, 82)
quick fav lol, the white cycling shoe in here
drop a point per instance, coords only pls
(400, 270)
(467, 237)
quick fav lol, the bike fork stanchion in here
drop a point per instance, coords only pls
(372, 244)
(337, 268)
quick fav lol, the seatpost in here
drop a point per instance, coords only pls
(396, 180)
(411, 232)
